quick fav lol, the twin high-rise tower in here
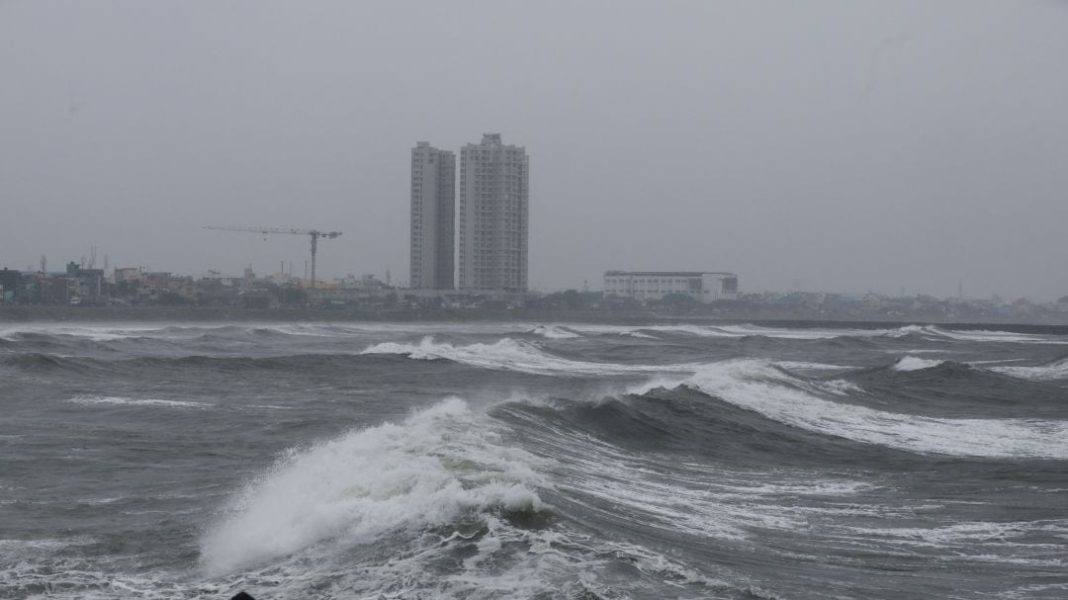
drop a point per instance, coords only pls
(490, 252)
(433, 217)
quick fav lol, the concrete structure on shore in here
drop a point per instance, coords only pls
(493, 216)
(702, 286)
(10, 286)
(433, 215)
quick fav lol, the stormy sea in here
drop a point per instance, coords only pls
(508, 460)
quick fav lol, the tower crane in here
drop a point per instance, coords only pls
(314, 234)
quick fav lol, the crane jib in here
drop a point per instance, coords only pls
(314, 234)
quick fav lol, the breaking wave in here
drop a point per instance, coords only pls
(852, 456)
(1048, 372)
(554, 332)
(912, 363)
(511, 355)
(1055, 370)
(429, 470)
(728, 331)
(933, 332)
(759, 386)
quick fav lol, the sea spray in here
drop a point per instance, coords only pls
(426, 470)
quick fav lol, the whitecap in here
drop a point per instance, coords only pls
(554, 332)
(758, 386)
(427, 470)
(913, 363)
(1057, 370)
(120, 401)
(512, 355)
(791, 365)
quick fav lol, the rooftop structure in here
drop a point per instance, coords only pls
(703, 286)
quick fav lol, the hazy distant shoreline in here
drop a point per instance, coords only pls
(167, 313)
(16, 314)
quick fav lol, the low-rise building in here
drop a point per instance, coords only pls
(10, 286)
(128, 274)
(162, 285)
(87, 285)
(703, 286)
(54, 289)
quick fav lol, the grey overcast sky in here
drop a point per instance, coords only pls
(848, 145)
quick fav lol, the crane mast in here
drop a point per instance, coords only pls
(313, 234)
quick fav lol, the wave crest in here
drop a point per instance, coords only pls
(763, 388)
(554, 332)
(511, 355)
(428, 470)
(1049, 372)
(913, 363)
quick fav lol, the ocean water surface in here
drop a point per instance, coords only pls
(506, 460)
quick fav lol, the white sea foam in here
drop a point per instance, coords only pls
(758, 386)
(657, 382)
(641, 331)
(979, 335)
(733, 331)
(599, 329)
(554, 332)
(306, 330)
(913, 363)
(639, 334)
(512, 355)
(120, 401)
(999, 361)
(906, 330)
(699, 499)
(25, 546)
(1021, 543)
(500, 561)
(427, 470)
(95, 333)
(933, 332)
(841, 387)
(792, 365)
(799, 333)
(970, 535)
(1057, 370)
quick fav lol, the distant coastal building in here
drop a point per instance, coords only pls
(493, 216)
(654, 285)
(10, 286)
(433, 214)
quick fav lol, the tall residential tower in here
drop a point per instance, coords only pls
(433, 212)
(493, 218)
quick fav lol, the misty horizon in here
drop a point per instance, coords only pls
(840, 147)
(495, 300)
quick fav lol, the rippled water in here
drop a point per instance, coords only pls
(532, 461)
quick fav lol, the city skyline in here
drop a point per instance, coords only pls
(833, 147)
